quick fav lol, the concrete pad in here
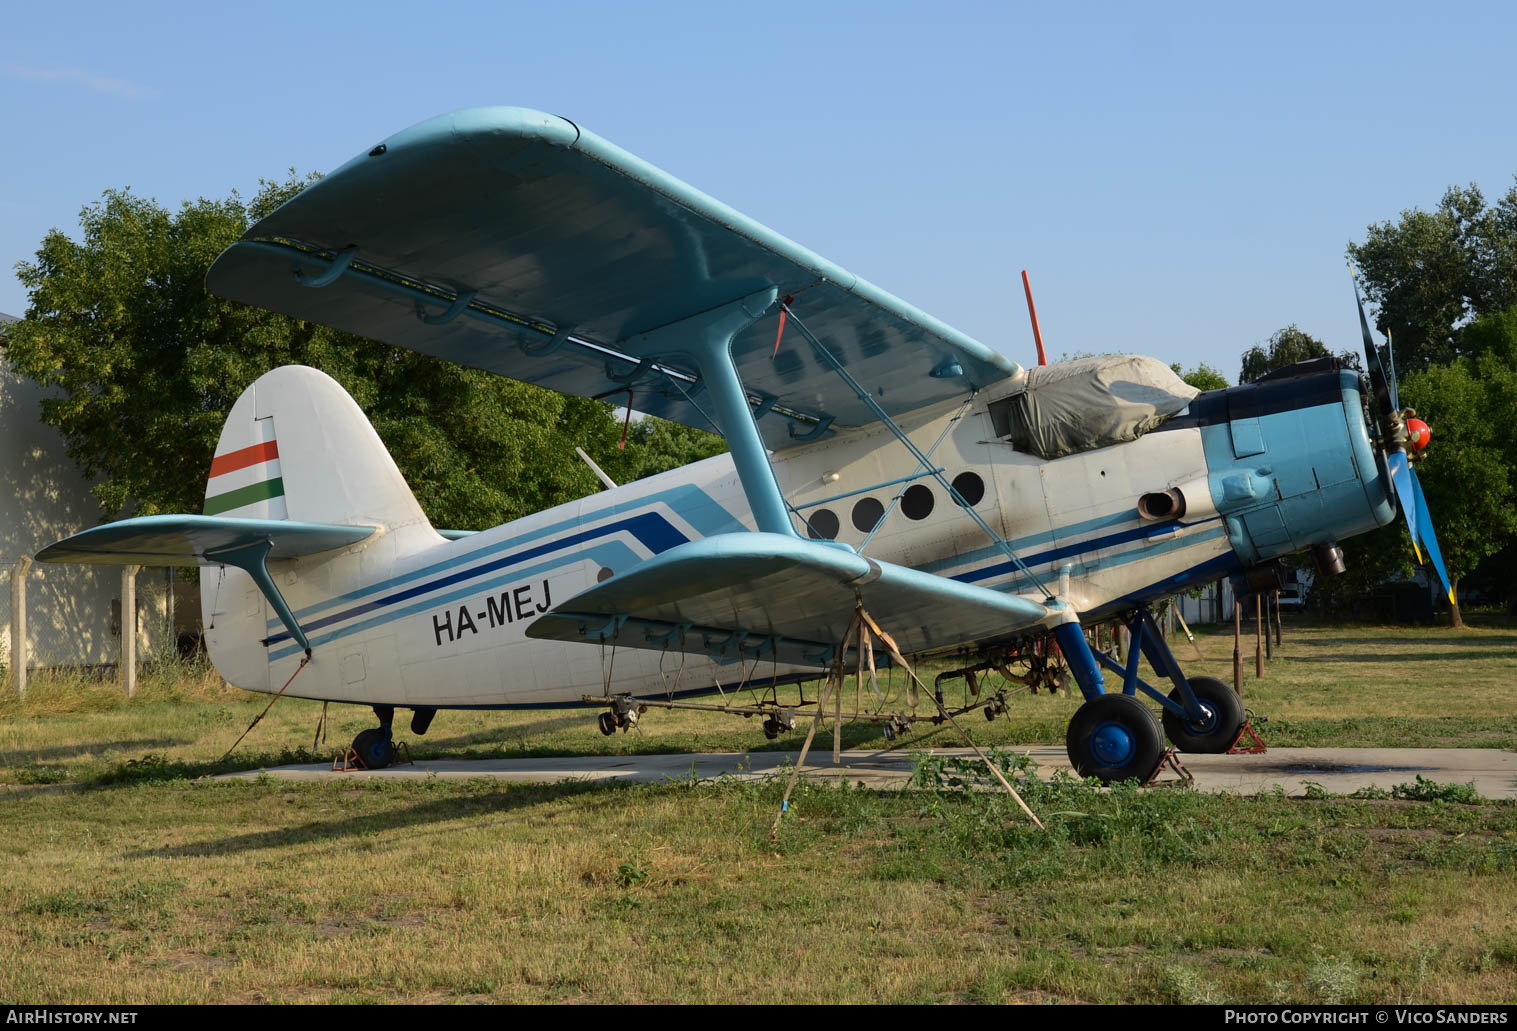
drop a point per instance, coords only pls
(1339, 771)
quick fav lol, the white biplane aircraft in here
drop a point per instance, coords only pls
(877, 458)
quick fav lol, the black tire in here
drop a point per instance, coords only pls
(1218, 731)
(771, 729)
(1114, 737)
(607, 723)
(374, 749)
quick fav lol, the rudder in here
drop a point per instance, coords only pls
(296, 446)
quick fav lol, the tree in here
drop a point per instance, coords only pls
(1202, 377)
(1286, 347)
(146, 364)
(1431, 272)
(1468, 476)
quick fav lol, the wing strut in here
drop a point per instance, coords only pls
(707, 338)
(252, 559)
(174, 540)
(924, 462)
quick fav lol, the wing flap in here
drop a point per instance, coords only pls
(764, 595)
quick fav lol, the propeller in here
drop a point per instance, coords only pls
(1400, 430)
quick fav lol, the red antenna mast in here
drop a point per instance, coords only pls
(1032, 312)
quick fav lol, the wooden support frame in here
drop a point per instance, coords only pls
(19, 657)
(129, 630)
(864, 626)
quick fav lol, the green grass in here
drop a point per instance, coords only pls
(440, 891)
(129, 881)
(1327, 686)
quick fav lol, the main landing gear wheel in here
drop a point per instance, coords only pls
(1218, 728)
(1114, 737)
(374, 749)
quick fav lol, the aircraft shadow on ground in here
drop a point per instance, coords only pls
(501, 735)
(508, 799)
(20, 756)
(519, 740)
(1482, 640)
(1465, 653)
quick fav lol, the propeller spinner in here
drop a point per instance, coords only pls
(1400, 430)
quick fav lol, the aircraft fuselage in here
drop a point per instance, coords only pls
(418, 621)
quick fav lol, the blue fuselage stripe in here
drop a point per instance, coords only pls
(1137, 533)
(657, 534)
(652, 530)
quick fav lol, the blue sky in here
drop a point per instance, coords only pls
(1180, 180)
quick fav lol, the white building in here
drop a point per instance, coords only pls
(73, 613)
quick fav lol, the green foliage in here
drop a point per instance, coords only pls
(966, 772)
(1202, 377)
(1430, 272)
(1425, 790)
(631, 874)
(1468, 475)
(1332, 982)
(1286, 347)
(146, 363)
(655, 446)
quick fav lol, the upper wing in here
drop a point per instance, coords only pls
(515, 242)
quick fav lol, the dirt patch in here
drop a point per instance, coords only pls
(184, 961)
(1425, 834)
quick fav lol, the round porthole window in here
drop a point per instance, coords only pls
(970, 487)
(867, 514)
(822, 525)
(917, 502)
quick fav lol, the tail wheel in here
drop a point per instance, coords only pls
(1220, 724)
(374, 749)
(1114, 737)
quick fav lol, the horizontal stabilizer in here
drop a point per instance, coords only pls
(183, 540)
(761, 596)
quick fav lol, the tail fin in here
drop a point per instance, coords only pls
(295, 446)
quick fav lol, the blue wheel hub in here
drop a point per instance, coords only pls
(1208, 721)
(1112, 744)
(378, 749)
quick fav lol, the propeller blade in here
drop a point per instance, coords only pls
(1401, 479)
(1372, 361)
(1390, 357)
(1429, 537)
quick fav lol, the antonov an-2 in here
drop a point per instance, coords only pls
(877, 457)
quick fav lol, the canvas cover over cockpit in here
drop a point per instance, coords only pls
(1089, 403)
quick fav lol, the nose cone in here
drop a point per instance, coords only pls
(1418, 434)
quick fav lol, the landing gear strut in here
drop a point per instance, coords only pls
(1109, 739)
